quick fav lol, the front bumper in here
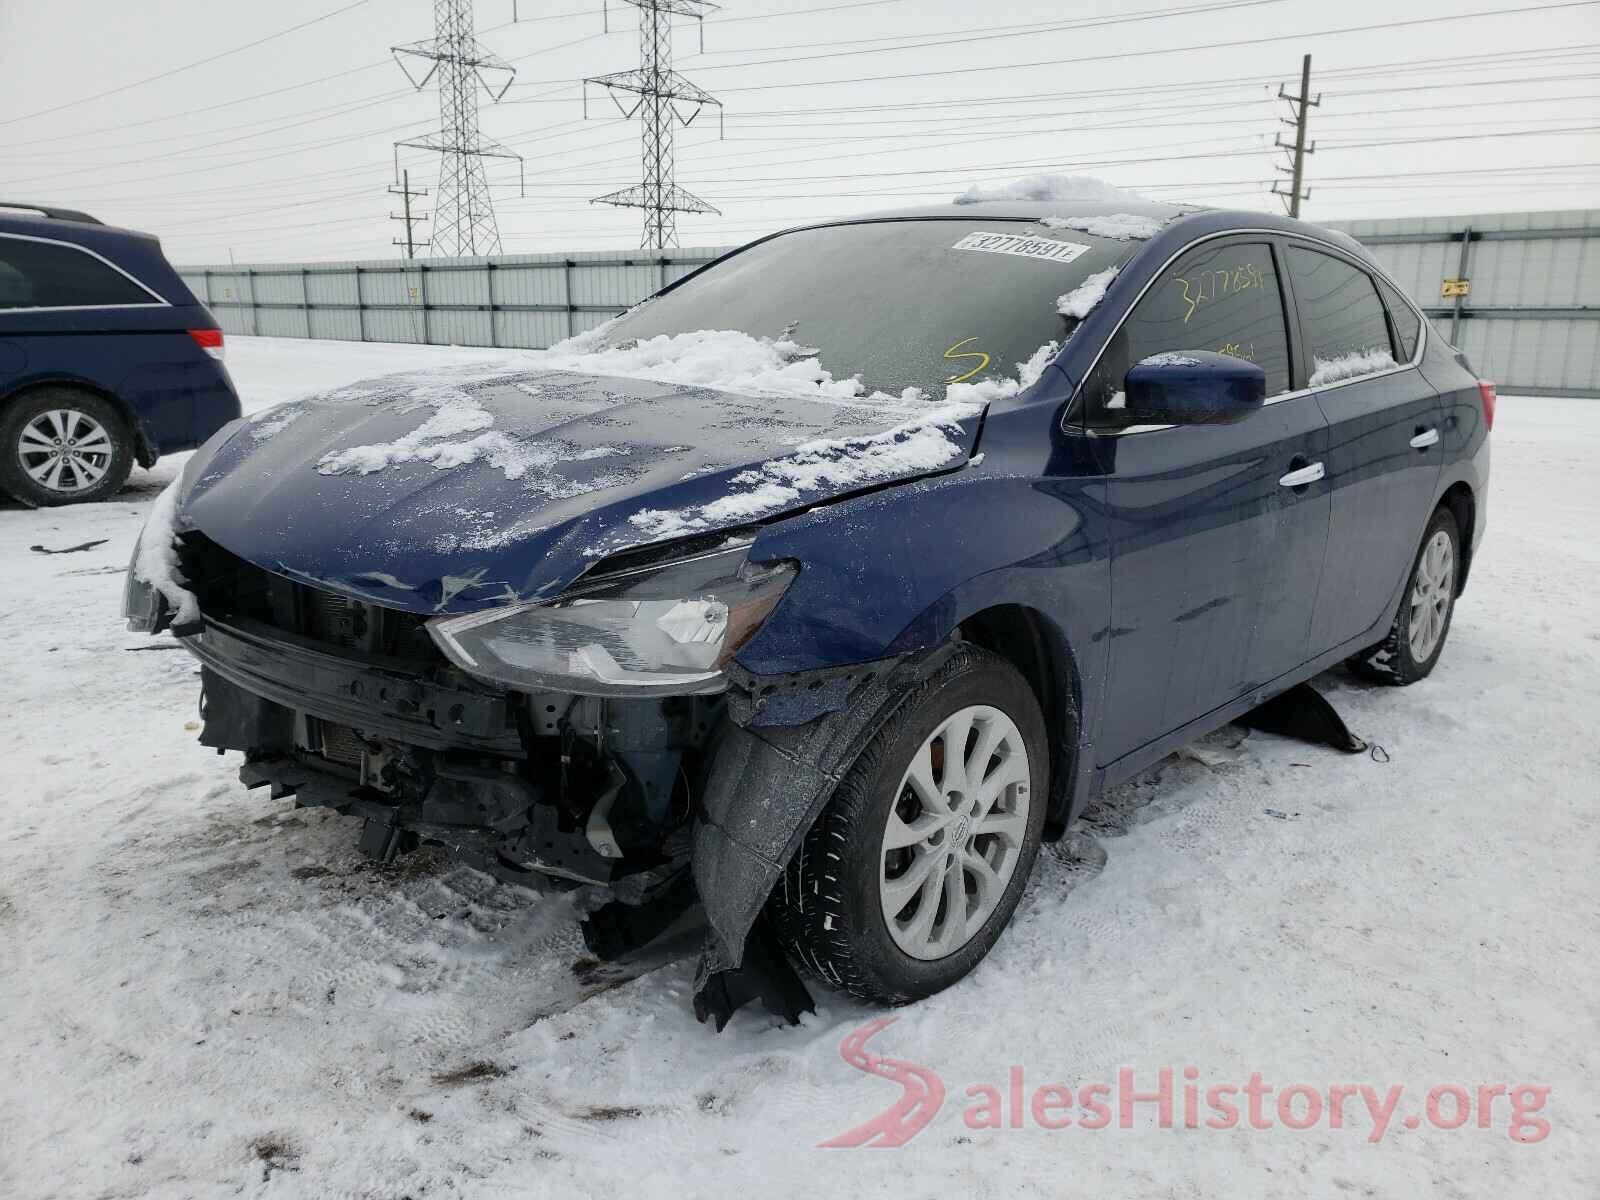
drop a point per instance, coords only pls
(390, 701)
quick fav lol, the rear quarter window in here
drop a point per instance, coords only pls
(37, 274)
(1407, 325)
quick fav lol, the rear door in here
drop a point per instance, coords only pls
(1215, 560)
(1384, 418)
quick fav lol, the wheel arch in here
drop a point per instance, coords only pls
(143, 453)
(1463, 505)
(1032, 643)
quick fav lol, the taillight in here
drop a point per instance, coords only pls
(210, 340)
(1486, 390)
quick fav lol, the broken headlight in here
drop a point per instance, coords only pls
(665, 629)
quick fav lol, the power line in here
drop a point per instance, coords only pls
(200, 62)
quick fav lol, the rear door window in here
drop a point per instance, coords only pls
(1341, 318)
(1220, 296)
(36, 274)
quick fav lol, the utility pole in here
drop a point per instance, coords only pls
(663, 98)
(1301, 105)
(404, 190)
(463, 219)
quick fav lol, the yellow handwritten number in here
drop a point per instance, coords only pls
(951, 355)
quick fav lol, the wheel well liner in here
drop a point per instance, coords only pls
(1032, 643)
(1463, 505)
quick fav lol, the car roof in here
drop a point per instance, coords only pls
(59, 224)
(1033, 210)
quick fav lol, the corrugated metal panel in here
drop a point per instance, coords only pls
(1524, 351)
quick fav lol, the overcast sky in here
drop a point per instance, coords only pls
(282, 151)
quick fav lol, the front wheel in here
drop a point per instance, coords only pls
(916, 865)
(1416, 639)
(62, 446)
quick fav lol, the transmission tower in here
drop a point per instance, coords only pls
(463, 212)
(665, 99)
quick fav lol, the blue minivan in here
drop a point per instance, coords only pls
(827, 583)
(106, 358)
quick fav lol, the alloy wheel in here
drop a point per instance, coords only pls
(955, 833)
(64, 450)
(1431, 594)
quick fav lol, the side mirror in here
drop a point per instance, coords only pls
(1193, 387)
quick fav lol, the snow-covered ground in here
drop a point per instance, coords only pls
(204, 992)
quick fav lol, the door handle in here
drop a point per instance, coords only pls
(1301, 476)
(1425, 438)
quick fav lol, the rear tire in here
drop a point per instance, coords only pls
(1416, 639)
(59, 445)
(848, 906)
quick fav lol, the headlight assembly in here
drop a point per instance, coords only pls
(666, 630)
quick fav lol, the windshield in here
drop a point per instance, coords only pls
(911, 303)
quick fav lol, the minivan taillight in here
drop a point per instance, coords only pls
(210, 340)
(1486, 390)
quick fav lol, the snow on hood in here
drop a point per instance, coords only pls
(155, 558)
(1349, 366)
(1121, 227)
(929, 441)
(1082, 188)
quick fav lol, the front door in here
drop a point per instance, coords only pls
(1217, 544)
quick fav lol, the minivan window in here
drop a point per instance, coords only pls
(37, 274)
(1407, 325)
(1341, 317)
(1219, 296)
(912, 303)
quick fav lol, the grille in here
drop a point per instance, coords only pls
(341, 744)
(337, 620)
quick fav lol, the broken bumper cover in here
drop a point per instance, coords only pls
(392, 702)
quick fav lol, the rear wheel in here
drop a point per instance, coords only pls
(63, 446)
(916, 865)
(1416, 639)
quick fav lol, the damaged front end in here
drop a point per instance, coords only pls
(591, 745)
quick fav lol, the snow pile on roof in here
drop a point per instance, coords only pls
(724, 359)
(1048, 187)
(1122, 227)
(1081, 300)
(272, 421)
(441, 442)
(838, 464)
(1349, 366)
(155, 561)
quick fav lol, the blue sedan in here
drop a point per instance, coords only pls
(813, 593)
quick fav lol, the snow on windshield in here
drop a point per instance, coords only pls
(1122, 227)
(1349, 366)
(1048, 187)
(931, 440)
(1081, 300)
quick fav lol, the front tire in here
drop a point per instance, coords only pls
(915, 867)
(63, 446)
(1416, 639)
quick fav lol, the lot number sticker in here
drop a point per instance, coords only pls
(1023, 246)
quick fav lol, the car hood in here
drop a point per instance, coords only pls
(456, 490)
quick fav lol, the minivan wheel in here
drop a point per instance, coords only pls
(63, 446)
(916, 865)
(1416, 639)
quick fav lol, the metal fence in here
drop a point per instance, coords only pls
(520, 300)
(1523, 293)
(1518, 292)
